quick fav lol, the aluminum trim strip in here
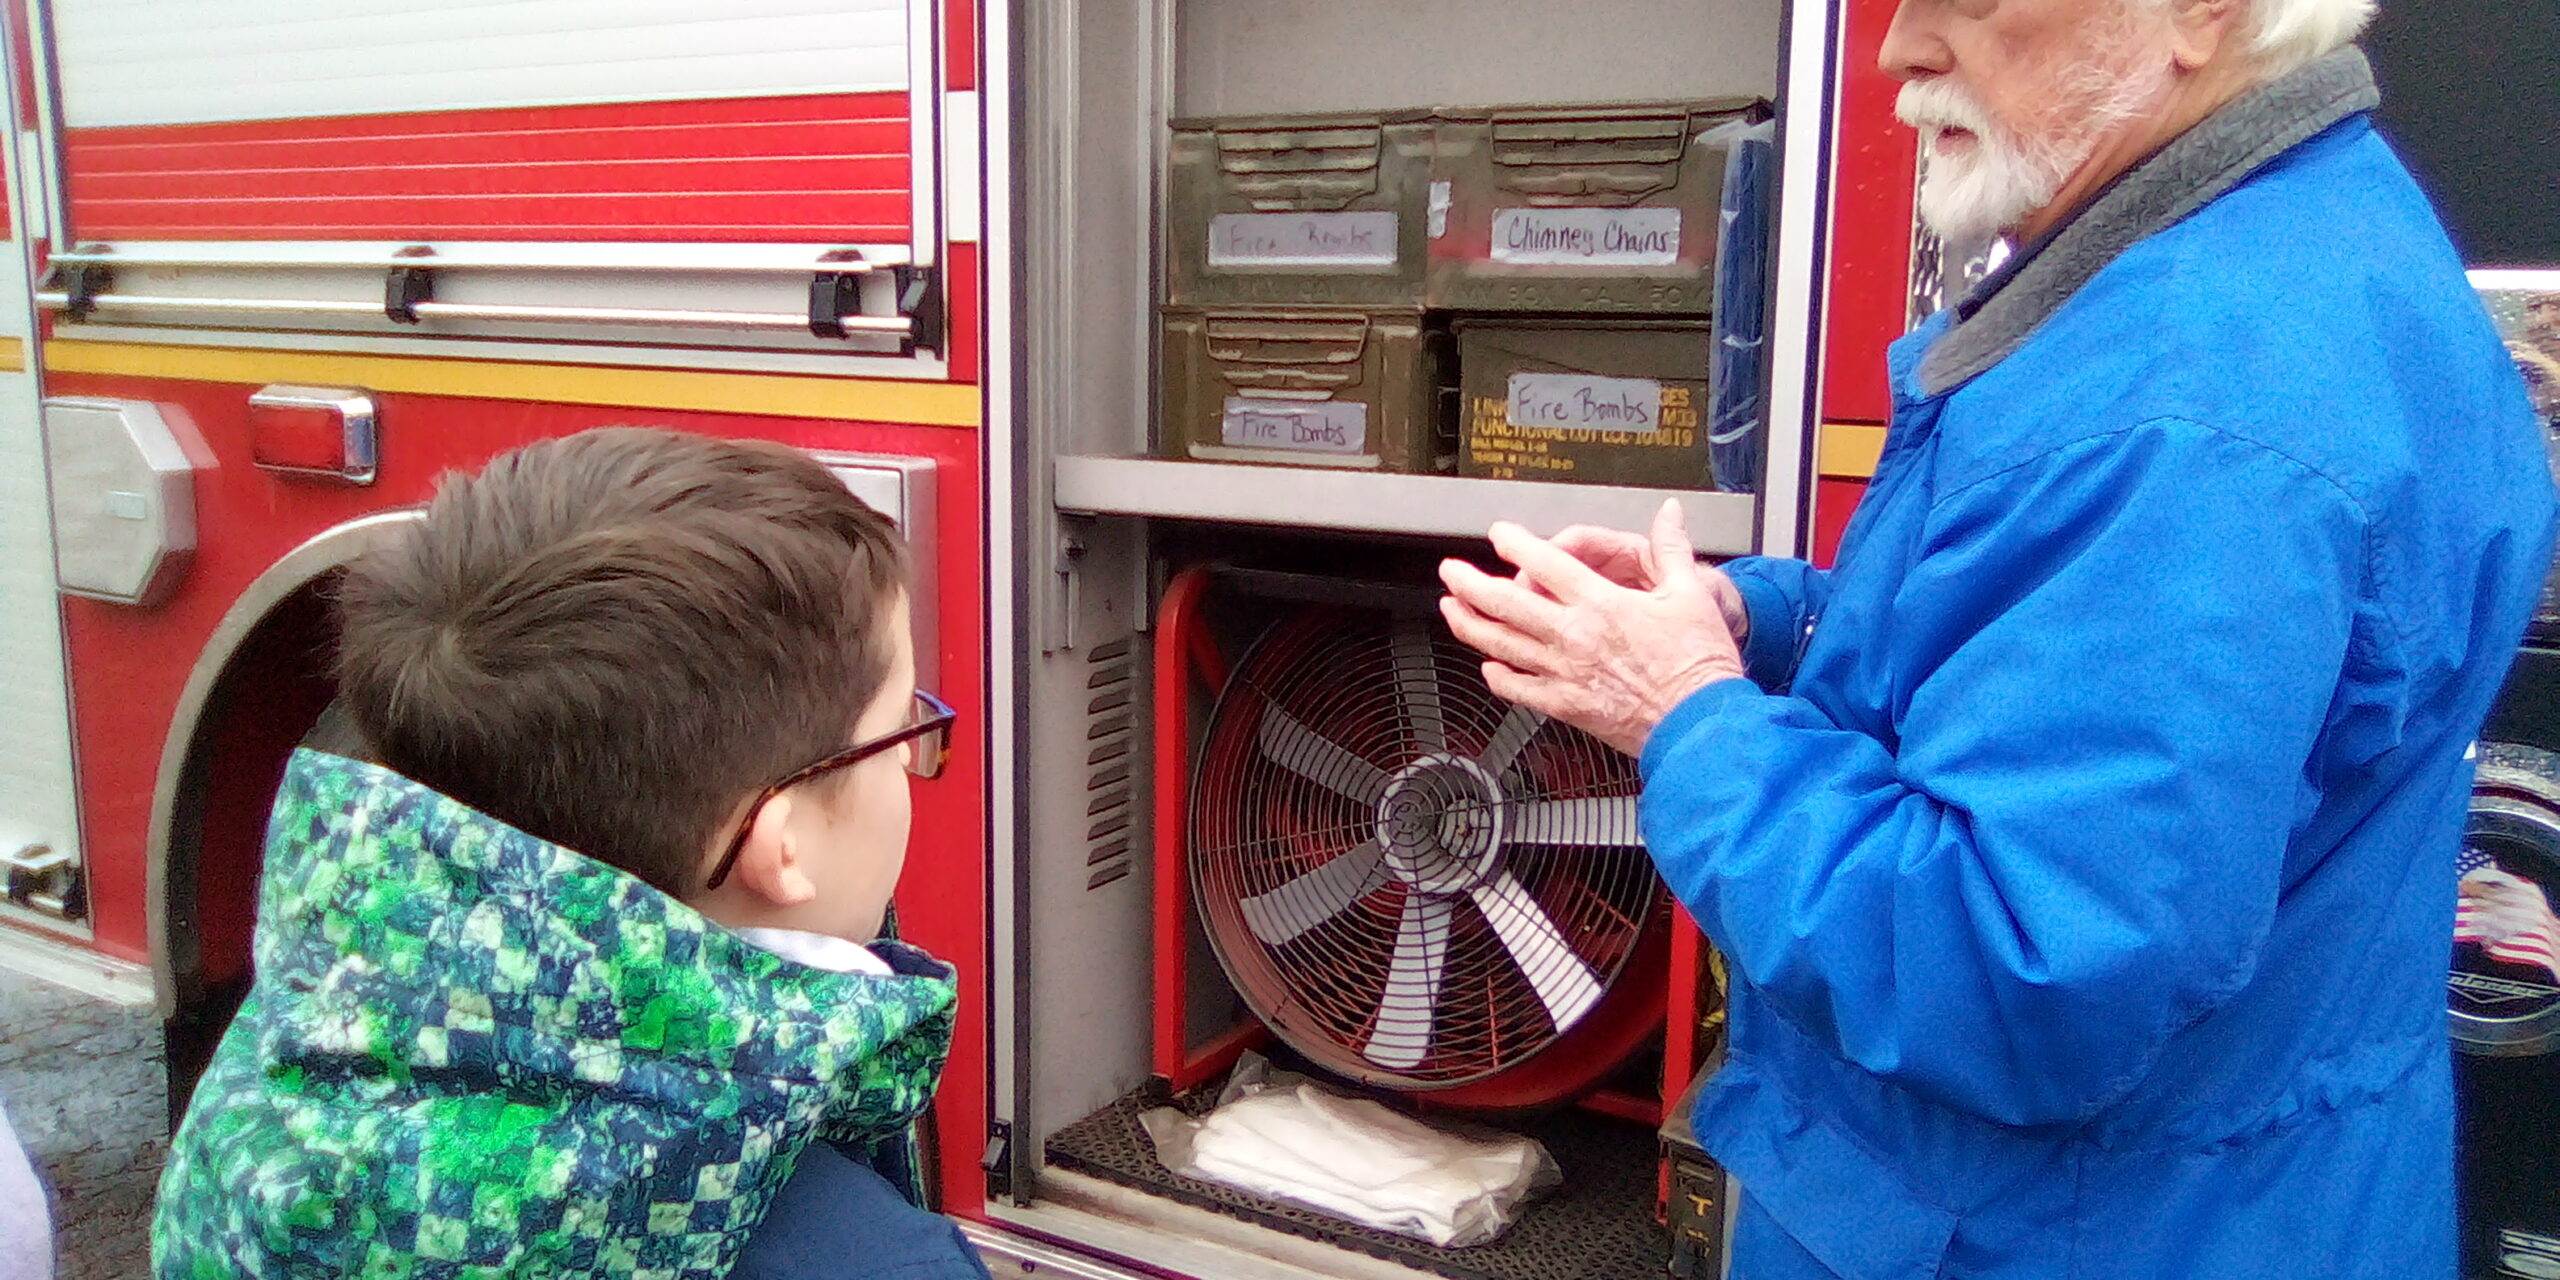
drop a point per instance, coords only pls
(1808, 110)
(1378, 502)
(369, 255)
(1006, 517)
(933, 404)
(318, 555)
(626, 353)
(924, 128)
(1175, 1238)
(62, 958)
(491, 311)
(1034, 1258)
(56, 300)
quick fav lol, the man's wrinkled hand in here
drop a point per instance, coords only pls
(1592, 630)
(1627, 559)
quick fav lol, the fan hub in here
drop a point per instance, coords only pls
(1441, 823)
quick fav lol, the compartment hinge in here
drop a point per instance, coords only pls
(1069, 566)
(833, 295)
(920, 300)
(46, 880)
(81, 283)
(410, 281)
(403, 288)
(998, 1160)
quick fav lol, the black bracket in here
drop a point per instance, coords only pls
(920, 300)
(81, 284)
(403, 290)
(998, 1159)
(833, 295)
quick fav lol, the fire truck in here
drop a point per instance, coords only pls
(282, 264)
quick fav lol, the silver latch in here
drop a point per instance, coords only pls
(45, 879)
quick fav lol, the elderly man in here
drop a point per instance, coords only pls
(2083, 844)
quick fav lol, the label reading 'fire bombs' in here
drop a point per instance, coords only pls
(1581, 402)
(1584, 403)
(1318, 426)
(1361, 238)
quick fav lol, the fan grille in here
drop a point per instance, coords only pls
(1410, 881)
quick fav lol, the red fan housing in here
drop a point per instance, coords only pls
(1413, 883)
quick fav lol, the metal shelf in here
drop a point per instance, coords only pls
(1378, 502)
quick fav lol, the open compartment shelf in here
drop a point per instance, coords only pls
(1383, 502)
(1602, 1215)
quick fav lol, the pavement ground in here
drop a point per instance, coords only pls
(85, 1086)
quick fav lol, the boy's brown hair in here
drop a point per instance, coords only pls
(611, 639)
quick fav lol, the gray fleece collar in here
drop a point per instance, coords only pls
(2180, 178)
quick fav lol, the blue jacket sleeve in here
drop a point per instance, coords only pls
(2113, 662)
(1784, 599)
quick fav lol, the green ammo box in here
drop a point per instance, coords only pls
(1583, 209)
(1585, 402)
(1328, 210)
(1307, 387)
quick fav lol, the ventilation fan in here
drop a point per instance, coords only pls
(1412, 882)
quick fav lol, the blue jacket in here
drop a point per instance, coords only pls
(2083, 845)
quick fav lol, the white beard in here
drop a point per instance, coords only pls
(1977, 192)
(1987, 189)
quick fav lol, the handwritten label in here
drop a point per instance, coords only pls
(1362, 238)
(1303, 426)
(1587, 237)
(1581, 402)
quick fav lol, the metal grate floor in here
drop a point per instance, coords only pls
(1598, 1226)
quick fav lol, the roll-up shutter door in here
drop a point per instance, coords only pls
(513, 120)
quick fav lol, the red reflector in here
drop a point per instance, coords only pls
(299, 439)
(320, 432)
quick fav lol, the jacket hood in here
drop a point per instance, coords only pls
(436, 936)
(467, 1045)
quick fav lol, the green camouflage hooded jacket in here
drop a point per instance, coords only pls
(471, 1052)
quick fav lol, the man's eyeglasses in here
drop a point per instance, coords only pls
(928, 727)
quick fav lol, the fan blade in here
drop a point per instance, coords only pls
(1315, 896)
(1518, 726)
(1418, 683)
(1560, 978)
(1311, 756)
(1401, 1039)
(1584, 822)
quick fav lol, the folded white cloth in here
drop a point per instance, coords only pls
(1358, 1160)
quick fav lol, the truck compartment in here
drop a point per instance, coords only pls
(1090, 1030)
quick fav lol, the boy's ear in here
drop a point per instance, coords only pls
(770, 866)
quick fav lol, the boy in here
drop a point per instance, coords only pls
(568, 984)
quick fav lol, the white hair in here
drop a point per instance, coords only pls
(2286, 34)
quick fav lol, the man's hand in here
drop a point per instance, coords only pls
(1597, 636)
(1627, 559)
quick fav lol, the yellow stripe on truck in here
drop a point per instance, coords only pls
(933, 404)
(13, 355)
(1848, 450)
